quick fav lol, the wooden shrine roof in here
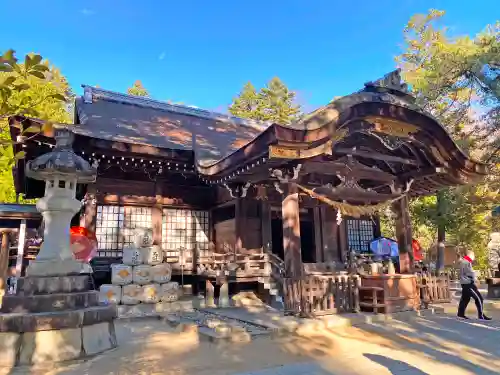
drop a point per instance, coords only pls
(131, 119)
(391, 141)
(378, 137)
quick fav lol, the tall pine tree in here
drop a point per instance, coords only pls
(246, 104)
(274, 103)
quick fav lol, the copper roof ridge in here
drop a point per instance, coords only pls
(94, 92)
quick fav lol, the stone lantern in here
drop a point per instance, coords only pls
(55, 314)
(62, 170)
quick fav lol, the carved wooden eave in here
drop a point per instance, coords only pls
(387, 137)
(379, 130)
(354, 194)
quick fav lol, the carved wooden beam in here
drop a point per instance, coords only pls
(375, 155)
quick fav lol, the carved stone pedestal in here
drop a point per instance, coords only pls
(52, 319)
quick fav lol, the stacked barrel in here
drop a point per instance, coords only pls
(142, 277)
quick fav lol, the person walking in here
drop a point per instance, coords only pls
(469, 288)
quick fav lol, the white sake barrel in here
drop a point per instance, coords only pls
(152, 255)
(110, 294)
(142, 274)
(131, 294)
(132, 256)
(121, 274)
(143, 237)
(161, 273)
(170, 292)
(150, 293)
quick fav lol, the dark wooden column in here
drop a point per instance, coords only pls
(330, 230)
(239, 218)
(344, 244)
(4, 263)
(318, 235)
(267, 237)
(291, 231)
(403, 234)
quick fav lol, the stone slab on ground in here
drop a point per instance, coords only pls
(98, 338)
(9, 347)
(216, 328)
(279, 324)
(144, 310)
(46, 346)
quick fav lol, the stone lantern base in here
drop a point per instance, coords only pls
(52, 319)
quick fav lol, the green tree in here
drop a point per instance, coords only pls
(33, 88)
(457, 80)
(138, 89)
(274, 103)
(247, 104)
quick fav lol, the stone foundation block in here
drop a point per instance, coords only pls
(50, 346)
(98, 337)
(49, 302)
(28, 286)
(9, 347)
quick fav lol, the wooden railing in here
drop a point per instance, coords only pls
(314, 295)
(434, 289)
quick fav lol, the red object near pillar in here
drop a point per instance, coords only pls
(83, 244)
(417, 251)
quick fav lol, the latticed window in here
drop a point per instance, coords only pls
(359, 234)
(115, 227)
(185, 229)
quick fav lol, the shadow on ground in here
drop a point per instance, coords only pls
(409, 345)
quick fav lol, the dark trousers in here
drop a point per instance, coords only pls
(470, 291)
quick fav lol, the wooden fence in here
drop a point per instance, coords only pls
(434, 289)
(318, 295)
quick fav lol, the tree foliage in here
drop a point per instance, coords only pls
(138, 89)
(32, 88)
(457, 79)
(274, 103)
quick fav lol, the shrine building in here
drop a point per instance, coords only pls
(230, 195)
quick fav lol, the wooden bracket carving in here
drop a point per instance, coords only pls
(398, 190)
(284, 178)
(238, 191)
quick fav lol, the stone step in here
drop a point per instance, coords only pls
(49, 302)
(46, 321)
(28, 286)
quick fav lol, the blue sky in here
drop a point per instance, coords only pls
(202, 52)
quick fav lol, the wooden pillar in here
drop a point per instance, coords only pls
(4, 264)
(318, 237)
(291, 232)
(239, 224)
(441, 231)
(343, 243)
(267, 236)
(157, 214)
(89, 217)
(330, 230)
(403, 234)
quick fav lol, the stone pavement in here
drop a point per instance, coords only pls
(435, 344)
